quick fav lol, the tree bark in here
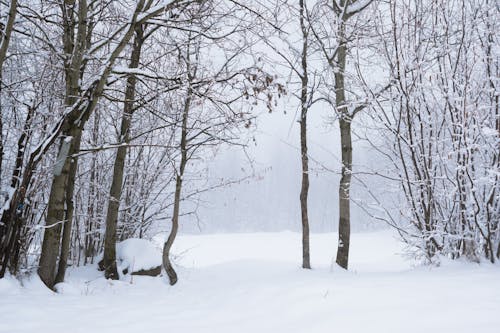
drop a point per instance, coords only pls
(68, 224)
(56, 216)
(346, 146)
(172, 275)
(304, 191)
(109, 260)
(344, 195)
(91, 223)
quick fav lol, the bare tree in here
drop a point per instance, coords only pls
(295, 58)
(335, 53)
(443, 121)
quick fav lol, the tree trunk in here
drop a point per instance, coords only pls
(304, 191)
(91, 223)
(172, 275)
(68, 224)
(56, 208)
(109, 260)
(306, 261)
(346, 146)
(344, 196)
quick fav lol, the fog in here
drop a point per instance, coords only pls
(267, 197)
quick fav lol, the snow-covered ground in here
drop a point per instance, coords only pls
(253, 283)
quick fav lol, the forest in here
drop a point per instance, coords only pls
(122, 121)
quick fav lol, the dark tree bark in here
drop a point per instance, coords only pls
(172, 275)
(344, 195)
(346, 146)
(66, 236)
(56, 213)
(90, 220)
(109, 260)
(304, 191)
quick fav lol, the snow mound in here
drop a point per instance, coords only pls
(67, 288)
(136, 254)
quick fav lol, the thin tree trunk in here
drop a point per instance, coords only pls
(306, 261)
(14, 260)
(304, 191)
(89, 250)
(172, 275)
(109, 260)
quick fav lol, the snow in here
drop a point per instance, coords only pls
(137, 254)
(5, 197)
(253, 283)
(488, 131)
(357, 6)
(134, 71)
